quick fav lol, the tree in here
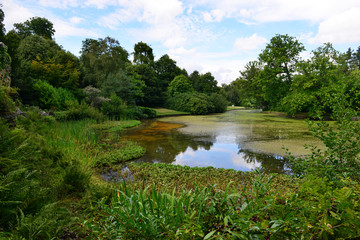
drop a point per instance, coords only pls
(143, 53)
(279, 58)
(36, 25)
(123, 86)
(204, 83)
(180, 84)
(143, 73)
(2, 26)
(166, 70)
(101, 57)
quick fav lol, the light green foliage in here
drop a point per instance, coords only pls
(341, 158)
(180, 84)
(51, 97)
(126, 151)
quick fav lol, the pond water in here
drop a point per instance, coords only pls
(241, 140)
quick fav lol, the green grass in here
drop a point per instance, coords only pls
(228, 108)
(168, 112)
(113, 126)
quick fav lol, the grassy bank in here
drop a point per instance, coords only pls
(160, 112)
(174, 202)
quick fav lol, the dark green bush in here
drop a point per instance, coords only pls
(144, 112)
(197, 103)
(6, 103)
(115, 108)
(79, 112)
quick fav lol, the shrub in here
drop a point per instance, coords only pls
(144, 112)
(79, 112)
(197, 103)
(46, 95)
(6, 103)
(115, 108)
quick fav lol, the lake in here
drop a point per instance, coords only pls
(240, 139)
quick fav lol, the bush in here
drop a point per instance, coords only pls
(79, 112)
(7, 105)
(197, 103)
(46, 95)
(144, 112)
(115, 108)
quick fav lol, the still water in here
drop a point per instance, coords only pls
(241, 140)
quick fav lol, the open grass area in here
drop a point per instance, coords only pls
(168, 112)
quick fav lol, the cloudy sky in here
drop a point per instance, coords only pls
(219, 36)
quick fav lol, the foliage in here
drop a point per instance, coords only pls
(7, 105)
(120, 84)
(143, 53)
(204, 83)
(144, 112)
(79, 112)
(99, 58)
(116, 108)
(341, 158)
(51, 97)
(180, 84)
(197, 103)
(124, 152)
(259, 206)
(35, 25)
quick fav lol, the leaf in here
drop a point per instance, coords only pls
(209, 235)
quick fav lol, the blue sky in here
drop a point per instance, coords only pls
(205, 35)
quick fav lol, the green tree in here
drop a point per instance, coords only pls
(143, 73)
(204, 83)
(143, 53)
(166, 70)
(2, 26)
(279, 58)
(101, 57)
(180, 84)
(120, 84)
(36, 25)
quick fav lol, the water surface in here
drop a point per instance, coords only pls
(241, 140)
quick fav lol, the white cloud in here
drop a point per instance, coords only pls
(67, 29)
(216, 15)
(100, 4)
(249, 11)
(246, 44)
(340, 28)
(15, 13)
(76, 20)
(60, 3)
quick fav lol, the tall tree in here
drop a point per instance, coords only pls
(101, 57)
(166, 69)
(279, 57)
(36, 25)
(2, 26)
(143, 53)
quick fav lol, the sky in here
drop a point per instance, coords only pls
(217, 36)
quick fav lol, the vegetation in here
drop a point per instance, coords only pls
(51, 153)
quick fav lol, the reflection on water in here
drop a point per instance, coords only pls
(221, 141)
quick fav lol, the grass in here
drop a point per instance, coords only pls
(160, 112)
(228, 108)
